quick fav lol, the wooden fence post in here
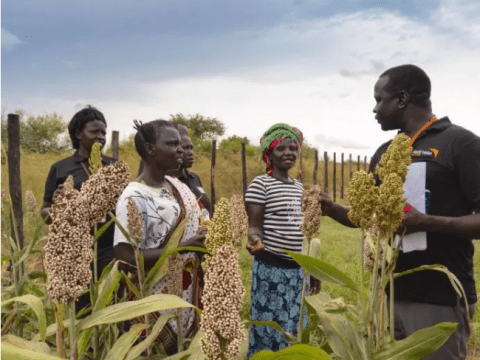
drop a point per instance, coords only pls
(350, 171)
(334, 176)
(342, 185)
(300, 167)
(358, 163)
(115, 143)
(212, 173)
(365, 164)
(315, 167)
(244, 168)
(14, 180)
(325, 177)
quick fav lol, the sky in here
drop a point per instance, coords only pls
(251, 63)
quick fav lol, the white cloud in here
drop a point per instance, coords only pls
(461, 16)
(9, 40)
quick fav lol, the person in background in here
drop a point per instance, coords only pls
(164, 203)
(191, 179)
(86, 127)
(274, 207)
(451, 155)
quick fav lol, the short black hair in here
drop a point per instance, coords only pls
(413, 80)
(148, 133)
(182, 128)
(87, 114)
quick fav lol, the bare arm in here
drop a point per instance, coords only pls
(255, 214)
(467, 226)
(126, 253)
(336, 211)
(46, 208)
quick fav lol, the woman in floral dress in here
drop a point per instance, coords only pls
(163, 202)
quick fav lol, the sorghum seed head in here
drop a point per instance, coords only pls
(30, 201)
(222, 299)
(363, 198)
(239, 219)
(389, 211)
(220, 230)
(396, 159)
(134, 223)
(95, 160)
(312, 211)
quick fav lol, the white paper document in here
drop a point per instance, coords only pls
(414, 192)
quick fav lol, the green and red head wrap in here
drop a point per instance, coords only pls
(273, 136)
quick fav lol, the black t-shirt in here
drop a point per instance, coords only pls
(193, 182)
(76, 166)
(452, 156)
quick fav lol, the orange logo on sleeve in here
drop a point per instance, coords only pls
(434, 151)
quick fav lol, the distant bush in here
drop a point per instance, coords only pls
(40, 134)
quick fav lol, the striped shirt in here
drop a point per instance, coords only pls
(283, 213)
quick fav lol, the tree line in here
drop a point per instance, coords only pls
(48, 133)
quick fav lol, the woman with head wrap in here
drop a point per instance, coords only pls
(274, 206)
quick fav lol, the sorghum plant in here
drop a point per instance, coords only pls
(312, 212)
(379, 208)
(239, 219)
(68, 252)
(222, 299)
(30, 201)
(95, 160)
(223, 292)
(220, 231)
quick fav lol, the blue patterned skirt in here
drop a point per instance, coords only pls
(276, 295)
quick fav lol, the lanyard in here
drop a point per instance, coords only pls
(423, 128)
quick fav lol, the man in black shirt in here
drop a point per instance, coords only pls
(452, 161)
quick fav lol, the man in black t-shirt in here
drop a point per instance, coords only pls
(451, 155)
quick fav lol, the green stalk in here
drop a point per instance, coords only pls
(7, 323)
(60, 340)
(179, 332)
(304, 290)
(363, 309)
(140, 276)
(73, 342)
(95, 280)
(96, 343)
(381, 295)
(374, 296)
(95, 257)
(302, 306)
(392, 313)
